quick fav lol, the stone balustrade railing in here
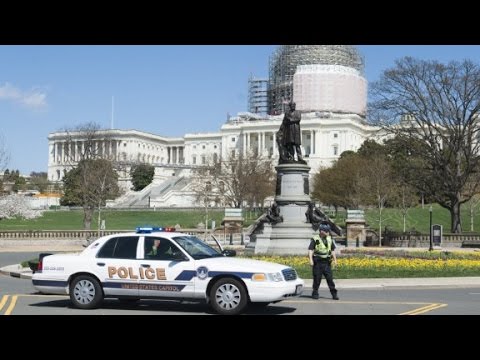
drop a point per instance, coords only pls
(55, 234)
(449, 240)
(27, 237)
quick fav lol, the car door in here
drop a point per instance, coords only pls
(117, 266)
(163, 270)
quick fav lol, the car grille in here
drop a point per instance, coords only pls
(289, 274)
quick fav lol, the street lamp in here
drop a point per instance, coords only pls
(431, 238)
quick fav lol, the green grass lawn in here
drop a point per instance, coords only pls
(114, 220)
(417, 219)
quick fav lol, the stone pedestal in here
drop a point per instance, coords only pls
(355, 228)
(292, 236)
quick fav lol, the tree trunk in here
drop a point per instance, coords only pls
(456, 221)
(471, 218)
(380, 229)
(87, 218)
(404, 216)
(98, 220)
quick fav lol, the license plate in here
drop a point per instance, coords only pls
(298, 289)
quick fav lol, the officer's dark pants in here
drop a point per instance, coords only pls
(322, 267)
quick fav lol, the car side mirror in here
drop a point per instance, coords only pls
(179, 256)
(229, 253)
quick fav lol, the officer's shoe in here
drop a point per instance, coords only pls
(335, 297)
(315, 295)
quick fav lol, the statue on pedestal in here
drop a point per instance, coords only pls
(289, 136)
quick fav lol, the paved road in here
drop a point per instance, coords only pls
(18, 297)
(9, 258)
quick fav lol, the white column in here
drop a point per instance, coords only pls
(178, 155)
(244, 144)
(51, 153)
(64, 151)
(263, 142)
(312, 142)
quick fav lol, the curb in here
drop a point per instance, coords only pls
(22, 274)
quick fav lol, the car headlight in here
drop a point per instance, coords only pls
(275, 276)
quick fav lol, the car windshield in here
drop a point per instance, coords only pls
(196, 247)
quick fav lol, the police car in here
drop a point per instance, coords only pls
(162, 263)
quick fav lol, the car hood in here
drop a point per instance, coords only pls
(241, 264)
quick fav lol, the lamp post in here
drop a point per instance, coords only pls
(431, 238)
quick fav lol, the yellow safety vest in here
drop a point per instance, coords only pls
(321, 250)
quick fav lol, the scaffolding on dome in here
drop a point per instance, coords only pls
(257, 95)
(285, 59)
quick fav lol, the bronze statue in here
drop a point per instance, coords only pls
(292, 136)
(316, 217)
(273, 215)
(289, 136)
(283, 154)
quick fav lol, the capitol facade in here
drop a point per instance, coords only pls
(327, 83)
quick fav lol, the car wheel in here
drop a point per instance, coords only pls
(86, 292)
(228, 296)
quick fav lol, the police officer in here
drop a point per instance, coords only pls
(320, 253)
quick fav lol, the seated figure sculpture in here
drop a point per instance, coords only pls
(273, 214)
(316, 217)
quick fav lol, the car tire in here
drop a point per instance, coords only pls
(86, 292)
(228, 296)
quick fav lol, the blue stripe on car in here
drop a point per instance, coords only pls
(186, 275)
(54, 283)
(189, 274)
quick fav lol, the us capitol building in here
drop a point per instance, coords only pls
(327, 83)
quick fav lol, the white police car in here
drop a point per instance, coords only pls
(126, 266)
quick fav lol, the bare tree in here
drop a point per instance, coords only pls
(473, 206)
(92, 179)
(248, 178)
(87, 141)
(404, 198)
(377, 185)
(236, 180)
(204, 192)
(439, 105)
(89, 185)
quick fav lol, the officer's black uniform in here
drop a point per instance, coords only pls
(322, 266)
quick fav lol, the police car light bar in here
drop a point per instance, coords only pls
(150, 229)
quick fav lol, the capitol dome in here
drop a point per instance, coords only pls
(337, 66)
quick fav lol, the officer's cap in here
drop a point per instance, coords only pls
(324, 227)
